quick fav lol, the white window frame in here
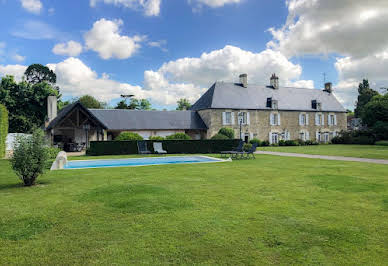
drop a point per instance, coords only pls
(224, 118)
(332, 120)
(228, 118)
(246, 118)
(303, 119)
(319, 119)
(273, 121)
(274, 136)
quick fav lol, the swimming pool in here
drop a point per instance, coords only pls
(140, 161)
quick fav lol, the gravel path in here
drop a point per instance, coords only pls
(325, 157)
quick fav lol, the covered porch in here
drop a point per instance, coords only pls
(74, 128)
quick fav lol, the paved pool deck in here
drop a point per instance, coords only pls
(325, 157)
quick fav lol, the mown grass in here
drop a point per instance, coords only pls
(360, 151)
(272, 210)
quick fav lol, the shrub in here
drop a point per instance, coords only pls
(178, 136)
(52, 152)
(128, 136)
(29, 157)
(227, 132)
(3, 129)
(159, 138)
(219, 136)
(255, 141)
(291, 143)
(281, 143)
(382, 143)
(247, 146)
(380, 129)
(301, 142)
(362, 137)
(265, 143)
(311, 142)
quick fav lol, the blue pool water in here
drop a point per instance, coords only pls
(139, 161)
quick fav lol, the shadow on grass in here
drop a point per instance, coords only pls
(20, 185)
(140, 199)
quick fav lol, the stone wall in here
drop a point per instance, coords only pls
(259, 124)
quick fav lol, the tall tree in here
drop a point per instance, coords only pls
(122, 105)
(135, 104)
(26, 103)
(183, 104)
(90, 102)
(144, 105)
(365, 94)
(375, 115)
(38, 73)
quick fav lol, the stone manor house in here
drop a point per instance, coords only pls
(270, 113)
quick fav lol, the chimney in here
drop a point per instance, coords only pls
(328, 87)
(274, 81)
(244, 80)
(51, 108)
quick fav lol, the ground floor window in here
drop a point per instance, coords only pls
(326, 137)
(274, 138)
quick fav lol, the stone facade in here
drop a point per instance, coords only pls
(258, 124)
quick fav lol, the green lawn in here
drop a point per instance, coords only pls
(272, 210)
(361, 151)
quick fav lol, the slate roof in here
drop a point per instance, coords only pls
(224, 95)
(66, 110)
(149, 120)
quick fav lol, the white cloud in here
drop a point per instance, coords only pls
(18, 57)
(13, 70)
(76, 79)
(105, 39)
(352, 29)
(159, 44)
(346, 27)
(37, 30)
(190, 77)
(215, 3)
(149, 7)
(33, 6)
(70, 48)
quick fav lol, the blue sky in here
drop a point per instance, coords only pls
(164, 50)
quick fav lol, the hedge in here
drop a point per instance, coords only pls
(382, 143)
(171, 146)
(3, 129)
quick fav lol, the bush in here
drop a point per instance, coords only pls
(311, 142)
(265, 143)
(255, 141)
(3, 129)
(362, 137)
(291, 143)
(227, 132)
(219, 136)
(247, 146)
(159, 138)
(52, 152)
(29, 157)
(281, 143)
(380, 129)
(382, 143)
(178, 136)
(128, 136)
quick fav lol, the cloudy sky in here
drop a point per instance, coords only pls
(164, 50)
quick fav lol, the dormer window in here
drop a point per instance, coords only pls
(272, 103)
(269, 102)
(316, 105)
